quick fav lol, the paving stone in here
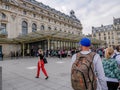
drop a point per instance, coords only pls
(19, 74)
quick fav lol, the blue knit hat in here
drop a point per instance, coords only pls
(85, 42)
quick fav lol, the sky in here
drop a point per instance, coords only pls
(90, 12)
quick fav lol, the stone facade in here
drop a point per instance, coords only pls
(108, 33)
(21, 17)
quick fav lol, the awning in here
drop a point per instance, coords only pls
(6, 40)
(42, 35)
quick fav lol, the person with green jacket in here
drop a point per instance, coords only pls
(112, 73)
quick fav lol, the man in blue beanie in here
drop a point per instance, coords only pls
(85, 44)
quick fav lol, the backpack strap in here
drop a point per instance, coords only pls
(92, 54)
(115, 55)
(90, 57)
(77, 56)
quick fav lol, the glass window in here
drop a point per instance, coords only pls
(6, 6)
(24, 4)
(99, 34)
(42, 17)
(94, 35)
(55, 22)
(104, 34)
(49, 20)
(34, 15)
(48, 13)
(33, 8)
(24, 12)
(34, 27)
(42, 27)
(49, 28)
(41, 11)
(104, 38)
(24, 28)
(3, 16)
(3, 25)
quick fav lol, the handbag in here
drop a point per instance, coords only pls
(45, 60)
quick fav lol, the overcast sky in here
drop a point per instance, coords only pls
(89, 12)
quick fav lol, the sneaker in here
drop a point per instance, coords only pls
(46, 77)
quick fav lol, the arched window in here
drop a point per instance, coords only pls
(42, 27)
(34, 27)
(99, 34)
(3, 27)
(3, 16)
(49, 28)
(24, 28)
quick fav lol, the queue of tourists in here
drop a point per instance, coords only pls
(95, 69)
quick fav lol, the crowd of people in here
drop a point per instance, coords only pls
(106, 62)
(106, 67)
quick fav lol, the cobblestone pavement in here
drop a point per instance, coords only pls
(19, 74)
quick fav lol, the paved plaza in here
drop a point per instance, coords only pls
(19, 74)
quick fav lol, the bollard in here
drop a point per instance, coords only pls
(0, 78)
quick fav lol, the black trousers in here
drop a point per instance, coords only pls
(112, 85)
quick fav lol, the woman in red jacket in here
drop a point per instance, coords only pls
(41, 65)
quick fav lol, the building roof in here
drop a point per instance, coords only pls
(46, 7)
(40, 35)
(116, 21)
(102, 28)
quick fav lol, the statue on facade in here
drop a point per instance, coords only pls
(72, 14)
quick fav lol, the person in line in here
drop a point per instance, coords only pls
(112, 72)
(40, 65)
(85, 44)
(117, 55)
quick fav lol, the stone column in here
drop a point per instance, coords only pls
(48, 43)
(23, 48)
(28, 50)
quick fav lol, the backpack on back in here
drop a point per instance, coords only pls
(82, 72)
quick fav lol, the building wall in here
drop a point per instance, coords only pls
(15, 15)
(17, 11)
(108, 33)
(8, 48)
